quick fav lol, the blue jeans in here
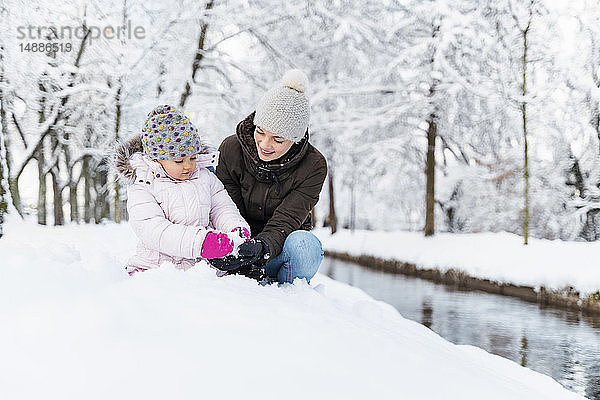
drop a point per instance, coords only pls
(300, 258)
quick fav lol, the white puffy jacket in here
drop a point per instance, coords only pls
(171, 217)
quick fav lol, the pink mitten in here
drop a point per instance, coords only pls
(243, 232)
(216, 245)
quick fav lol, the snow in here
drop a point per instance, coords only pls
(74, 325)
(499, 257)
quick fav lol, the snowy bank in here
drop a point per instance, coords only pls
(74, 326)
(498, 257)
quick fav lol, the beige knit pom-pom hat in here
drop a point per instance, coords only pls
(284, 110)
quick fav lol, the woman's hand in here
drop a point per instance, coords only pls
(255, 251)
(250, 254)
(228, 263)
(216, 245)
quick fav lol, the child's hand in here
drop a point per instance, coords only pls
(216, 245)
(242, 232)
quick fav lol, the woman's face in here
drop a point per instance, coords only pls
(180, 168)
(269, 145)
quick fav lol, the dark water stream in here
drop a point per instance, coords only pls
(562, 344)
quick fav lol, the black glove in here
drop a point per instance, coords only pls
(228, 263)
(251, 271)
(248, 262)
(255, 251)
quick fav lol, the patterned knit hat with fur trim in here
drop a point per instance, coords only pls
(169, 135)
(284, 110)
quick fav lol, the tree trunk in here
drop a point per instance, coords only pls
(40, 157)
(3, 203)
(99, 197)
(429, 229)
(3, 134)
(450, 210)
(59, 217)
(525, 155)
(430, 178)
(331, 218)
(73, 202)
(590, 230)
(13, 187)
(3, 171)
(41, 204)
(102, 209)
(87, 190)
(57, 198)
(199, 56)
(74, 212)
(161, 76)
(13, 183)
(105, 204)
(117, 200)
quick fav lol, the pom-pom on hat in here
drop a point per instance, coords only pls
(168, 134)
(284, 110)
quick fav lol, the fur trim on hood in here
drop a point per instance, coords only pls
(123, 152)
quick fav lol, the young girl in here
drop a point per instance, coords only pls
(178, 209)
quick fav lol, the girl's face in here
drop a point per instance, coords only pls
(180, 168)
(269, 145)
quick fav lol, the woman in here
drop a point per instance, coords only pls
(274, 176)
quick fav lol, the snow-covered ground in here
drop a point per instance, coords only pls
(75, 326)
(499, 257)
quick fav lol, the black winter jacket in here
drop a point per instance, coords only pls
(275, 197)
